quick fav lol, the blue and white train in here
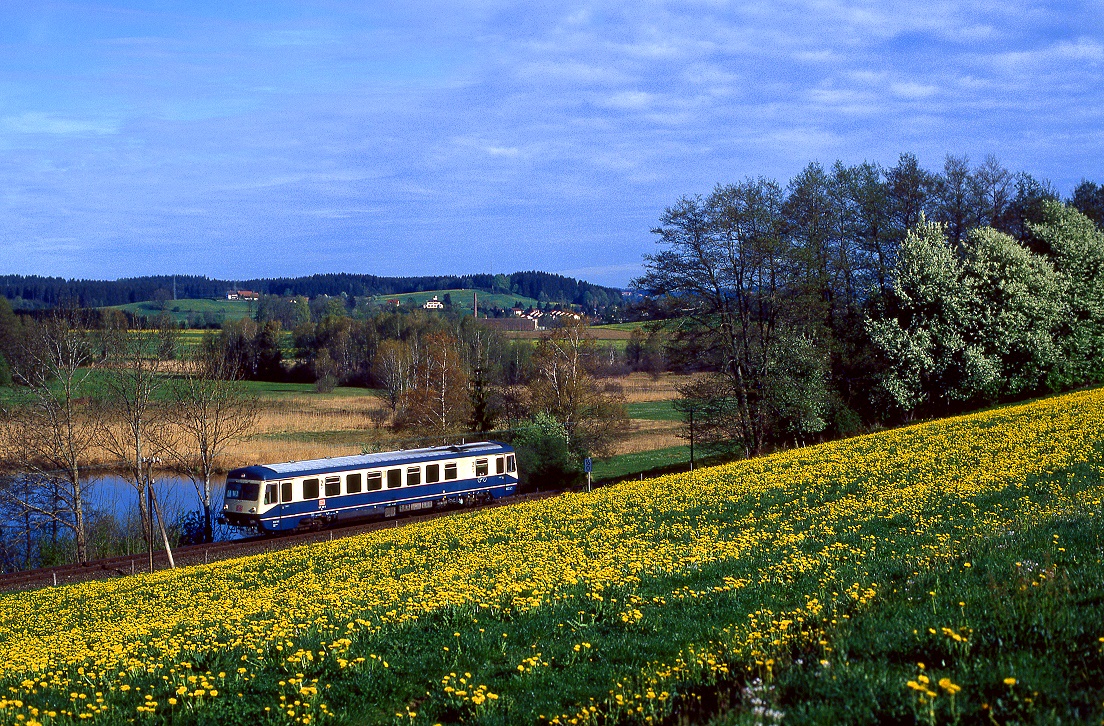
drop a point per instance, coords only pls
(310, 494)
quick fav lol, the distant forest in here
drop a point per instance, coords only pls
(32, 291)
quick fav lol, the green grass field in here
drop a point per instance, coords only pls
(947, 572)
(625, 327)
(654, 411)
(625, 465)
(461, 298)
(219, 310)
(276, 391)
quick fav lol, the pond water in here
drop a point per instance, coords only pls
(177, 496)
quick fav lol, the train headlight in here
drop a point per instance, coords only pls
(226, 507)
(252, 510)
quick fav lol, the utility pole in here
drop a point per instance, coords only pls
(475, 302)
(154, 509)
(149, 532)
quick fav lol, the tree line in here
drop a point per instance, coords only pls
(33, 291)
(861, 296)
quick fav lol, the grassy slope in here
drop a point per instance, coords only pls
(810, 583)
(462, 298)
(221, 310)
(625, 327)
(624, 465)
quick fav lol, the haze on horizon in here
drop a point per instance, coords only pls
(240, 139)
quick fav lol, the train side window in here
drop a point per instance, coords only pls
(394, 478)
(481, 467)
(433, 473)
(272, 493)
(413, 476)
(285, 491)
(375, 481)
(310, 489)
(450, 471)
(500, 465)
(352, 483)
(510, 467)
(333, 486)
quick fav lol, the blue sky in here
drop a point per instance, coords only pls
(243, 139)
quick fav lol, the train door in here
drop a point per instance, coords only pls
(285, 498)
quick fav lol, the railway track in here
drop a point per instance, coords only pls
(215, 551)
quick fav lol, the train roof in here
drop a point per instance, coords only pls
(334, 464)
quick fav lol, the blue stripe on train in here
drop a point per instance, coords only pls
(288, 516)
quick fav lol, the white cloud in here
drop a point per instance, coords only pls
(912, 90)
(502, 150)
(630, 100)
(41, 123)
(571, 72)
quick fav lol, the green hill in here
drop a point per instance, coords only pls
(462, 299)
(207, 310)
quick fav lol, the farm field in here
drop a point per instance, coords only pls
(460, 298)
(604, 334)
(219, 311)
(942, 572)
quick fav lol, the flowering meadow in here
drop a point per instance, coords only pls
(944, 571)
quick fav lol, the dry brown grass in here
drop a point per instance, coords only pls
(641, 387)
(648, 436)
(303, 413)
(271, 451)
(309, 426)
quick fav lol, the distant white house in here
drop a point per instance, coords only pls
(434, 304)
(243, 295)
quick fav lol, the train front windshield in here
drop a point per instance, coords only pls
(247, 491)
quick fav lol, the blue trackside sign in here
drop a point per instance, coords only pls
(588, 465)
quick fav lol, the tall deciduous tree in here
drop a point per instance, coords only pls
(953, 198)
(564, 388)
(972, 323)
(992, 189)
(1076, 245)
(910, 190)
(919, 329)
(393, 370)
(738, 284)
(437, 400)
(50, 434)
(210, 409)
(131, 412)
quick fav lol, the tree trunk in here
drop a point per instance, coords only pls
(208, 528)
(78, 516)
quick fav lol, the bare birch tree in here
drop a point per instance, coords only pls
(564, 388)
(131, 413)
(210, 410)
(50, 433)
